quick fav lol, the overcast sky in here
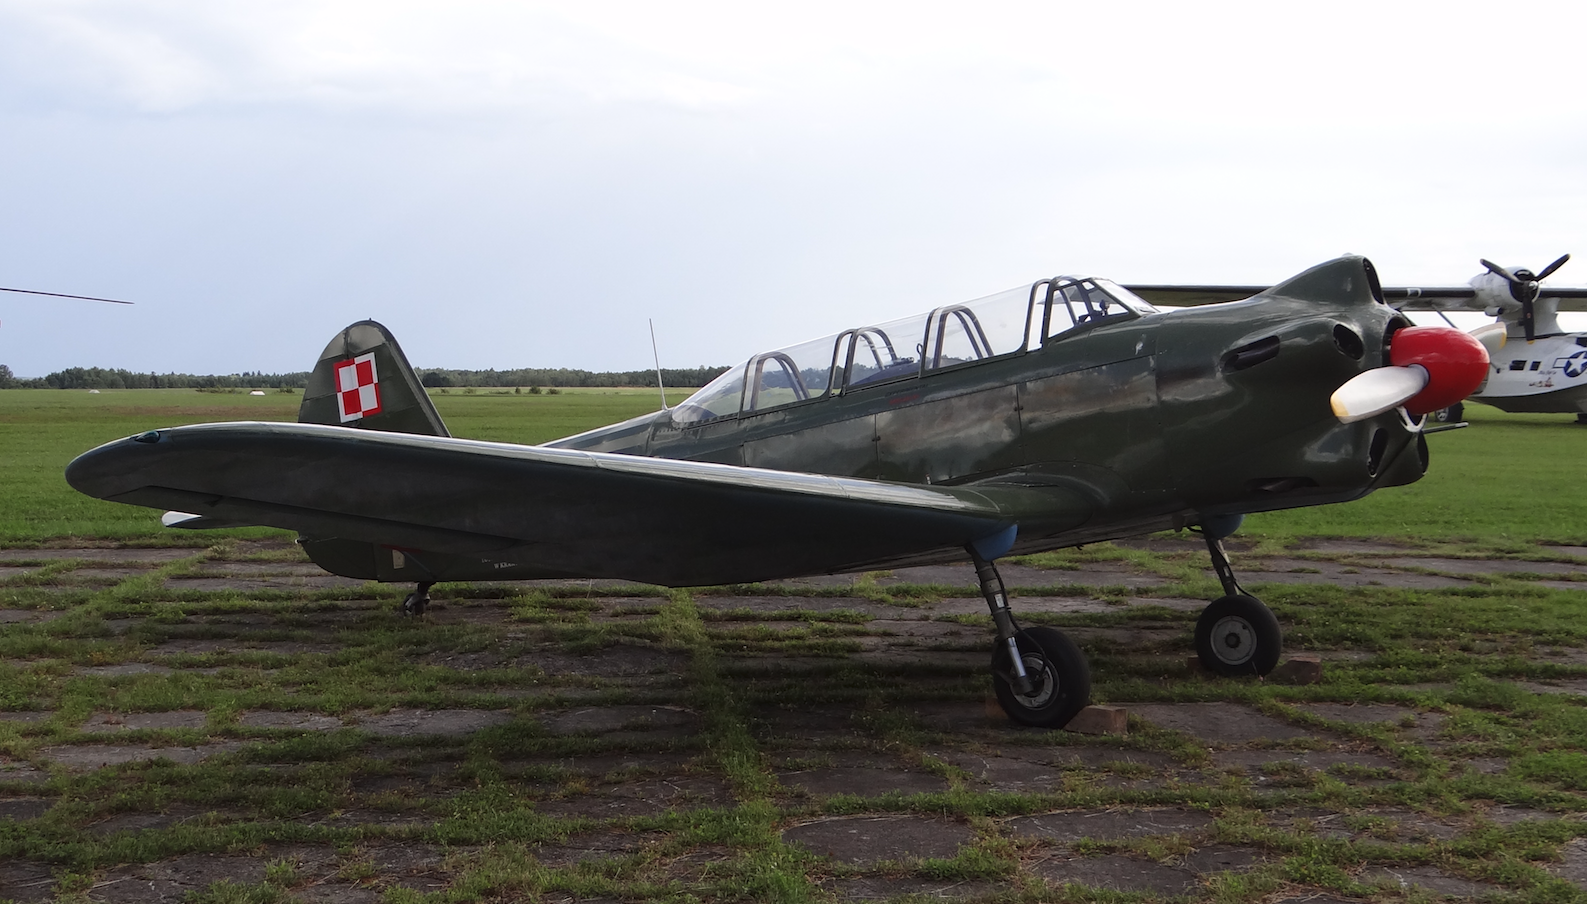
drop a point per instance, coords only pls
(523, 184)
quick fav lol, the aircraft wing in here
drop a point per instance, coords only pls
(1405, 298)
(661, 521)
(1186, 296)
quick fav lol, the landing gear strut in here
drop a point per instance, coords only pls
(419, 600)
(1040, 676)
(1236, 634)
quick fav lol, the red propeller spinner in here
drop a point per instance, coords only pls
(1431, 367)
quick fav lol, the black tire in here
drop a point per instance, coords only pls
(1057, 668)
(1238, 635)
(415, 604)
(1451, 415)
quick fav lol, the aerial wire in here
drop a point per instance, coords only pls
(657, 355)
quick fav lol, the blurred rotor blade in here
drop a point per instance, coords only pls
(62, 295)
(1552, 267)
(1375, 391)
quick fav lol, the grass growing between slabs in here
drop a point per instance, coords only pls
(630, 743)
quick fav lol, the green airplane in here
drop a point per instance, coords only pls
(1061, 413)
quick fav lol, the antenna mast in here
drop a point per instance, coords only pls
(657, 355)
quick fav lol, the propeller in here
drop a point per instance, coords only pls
(1430, 367)
(1524, 287)
(61, 295)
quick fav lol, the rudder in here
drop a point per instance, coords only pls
(363, 379)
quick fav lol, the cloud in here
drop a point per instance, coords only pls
(418, 59)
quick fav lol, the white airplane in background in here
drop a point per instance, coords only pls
(1535, 365)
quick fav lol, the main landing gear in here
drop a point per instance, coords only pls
(419, 600)
(1236, 634)
(1040, 676)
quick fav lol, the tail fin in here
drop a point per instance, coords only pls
(363, 380)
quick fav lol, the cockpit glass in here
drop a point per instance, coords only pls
(1079, 301)
(975, 330)
(789, 375)
(1130, 299)
(718, 398)
(887, 351)
(948, 336)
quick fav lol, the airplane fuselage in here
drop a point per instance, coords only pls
(1548, 374)
(1163, 418)
(1066, 412)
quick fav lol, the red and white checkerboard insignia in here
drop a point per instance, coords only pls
(357, 388)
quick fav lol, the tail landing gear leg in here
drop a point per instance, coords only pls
(1040, 676)
(1236, 634)
(419, 600)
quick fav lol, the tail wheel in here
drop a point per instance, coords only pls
(1238, 635)
(1060, 679)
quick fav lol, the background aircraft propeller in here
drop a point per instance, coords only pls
(63, 295)
(1524, 287)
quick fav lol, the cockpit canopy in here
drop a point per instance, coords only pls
(951, 336)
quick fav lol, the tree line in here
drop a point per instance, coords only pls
(563, 377)
(120, 378)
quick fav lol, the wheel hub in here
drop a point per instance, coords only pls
(1043, 682)
(1234, 640)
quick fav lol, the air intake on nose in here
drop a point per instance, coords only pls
(1349, 342)
(1380, 444)
(1249, 356)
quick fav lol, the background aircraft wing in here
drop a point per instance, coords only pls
(660, 521)
(1450, 298)
(1405, 298)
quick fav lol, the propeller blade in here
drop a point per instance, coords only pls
(1492, 337)
(1552, 267)
(1455, 364)
(62, 295)
(1375, 391)
(1508, 276)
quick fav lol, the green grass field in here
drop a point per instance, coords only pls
(1507, 478)
(44, 429)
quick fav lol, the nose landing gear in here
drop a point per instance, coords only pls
(1236, 634)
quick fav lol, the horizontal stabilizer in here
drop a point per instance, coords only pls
(186, 521)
